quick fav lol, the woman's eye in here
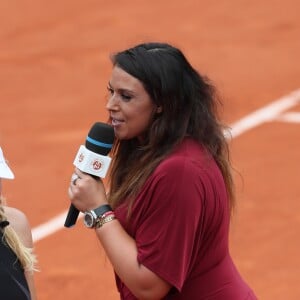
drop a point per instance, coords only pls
(120, 94)
(126, 97)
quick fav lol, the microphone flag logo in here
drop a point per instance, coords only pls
(92, 163)
(81, 157)
(97, 164)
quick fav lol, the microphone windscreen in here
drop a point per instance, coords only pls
(100, 138)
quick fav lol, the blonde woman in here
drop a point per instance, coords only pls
(17, 261)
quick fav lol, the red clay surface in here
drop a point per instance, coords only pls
(54, 67)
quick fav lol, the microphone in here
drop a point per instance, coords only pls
(92, 159)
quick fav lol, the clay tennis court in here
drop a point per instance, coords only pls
(54, 68)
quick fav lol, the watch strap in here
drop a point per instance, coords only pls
(101, 210)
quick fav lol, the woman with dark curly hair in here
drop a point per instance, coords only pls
(165, 223)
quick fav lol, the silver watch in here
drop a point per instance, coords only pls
(92, 217)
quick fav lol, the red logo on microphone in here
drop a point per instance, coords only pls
(97, 165)
(81, 157)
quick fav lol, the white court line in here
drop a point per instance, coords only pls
(45, 229)
(290, 117)
(265, 114)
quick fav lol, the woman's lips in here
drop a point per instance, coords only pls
(116, 122)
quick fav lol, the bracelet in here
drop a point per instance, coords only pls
(108, 213)
(105, 219)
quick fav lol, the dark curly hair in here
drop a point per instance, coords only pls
(189, 108)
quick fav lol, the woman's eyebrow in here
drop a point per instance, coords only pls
(121, 89)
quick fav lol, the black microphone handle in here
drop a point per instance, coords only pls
(72, 216)
(100, 132)
(74, 212)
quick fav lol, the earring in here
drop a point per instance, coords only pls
(158, 109)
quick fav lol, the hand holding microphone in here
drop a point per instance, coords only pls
(92, 159)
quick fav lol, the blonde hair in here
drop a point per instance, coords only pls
(24, 254)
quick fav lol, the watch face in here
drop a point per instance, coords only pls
(88, 220)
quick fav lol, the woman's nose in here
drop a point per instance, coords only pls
(112, 103)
